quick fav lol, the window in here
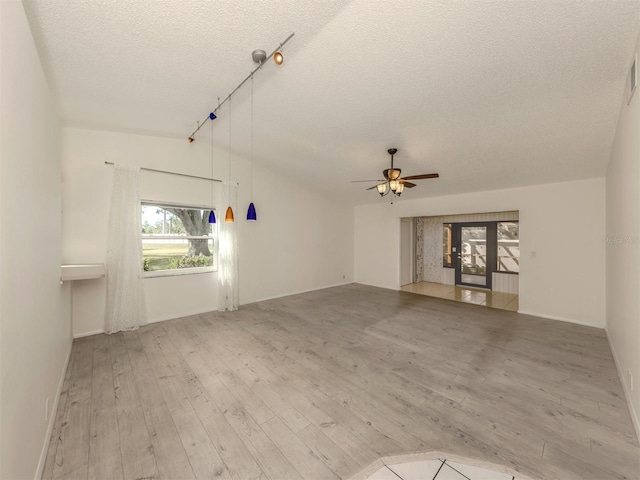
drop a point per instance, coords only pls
(508, 247)
(446, 245)
(177, 239)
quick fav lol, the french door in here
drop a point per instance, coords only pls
(474, 258)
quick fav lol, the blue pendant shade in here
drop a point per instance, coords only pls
(212, 217)
(251, 214)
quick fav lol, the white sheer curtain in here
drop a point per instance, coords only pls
(125, 308)
(228, 253)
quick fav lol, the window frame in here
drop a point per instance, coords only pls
(444, 228)
(182, 271)
(498, 248)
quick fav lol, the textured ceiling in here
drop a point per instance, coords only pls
(489, 94)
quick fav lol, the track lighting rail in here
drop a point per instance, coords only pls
(212, 115)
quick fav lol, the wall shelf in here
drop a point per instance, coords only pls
(82, 272)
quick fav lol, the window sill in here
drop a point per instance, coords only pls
(179, 272)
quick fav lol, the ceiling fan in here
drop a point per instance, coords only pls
(393, 182)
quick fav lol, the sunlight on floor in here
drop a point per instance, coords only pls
(503, 301)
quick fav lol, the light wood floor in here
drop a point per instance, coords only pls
(487, 298)
(322, 384)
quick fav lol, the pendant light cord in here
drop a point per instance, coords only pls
(212, 165)
(251, 139)
(229, 185)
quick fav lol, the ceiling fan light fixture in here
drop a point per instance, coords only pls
(382, 189)
(394, 173)
(393, 185)
(399, 188)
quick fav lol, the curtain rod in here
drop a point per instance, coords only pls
(173, 173)
(212, 115)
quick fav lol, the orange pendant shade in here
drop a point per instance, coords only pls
(229, 215)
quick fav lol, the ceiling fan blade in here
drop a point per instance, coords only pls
(421, 177)
(408, 184)
(360, 181)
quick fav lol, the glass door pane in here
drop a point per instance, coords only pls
(473, 255)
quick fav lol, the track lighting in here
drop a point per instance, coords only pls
(259, 57)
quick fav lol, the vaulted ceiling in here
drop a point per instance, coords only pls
(490, 94)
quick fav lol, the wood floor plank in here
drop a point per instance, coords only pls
(170, 385)
(240, 463)
(325, 383)
(203, 456)
(47, 471)
(105, 460)
(331, 454)
(303, 458)
(73, 448)
(171, 458)
(262, 448)
(138, 460)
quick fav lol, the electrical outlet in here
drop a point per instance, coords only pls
(630, 380)
(46, 410)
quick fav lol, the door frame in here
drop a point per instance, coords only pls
(412, 249)
(492, 242)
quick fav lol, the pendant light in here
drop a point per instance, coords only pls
(228, 217)
(212, 214)
(251, 213)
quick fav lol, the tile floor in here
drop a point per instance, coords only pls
(503, 301)
(437, 469)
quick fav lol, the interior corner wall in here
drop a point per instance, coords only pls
(623, 249)
(301, 241)
(562, 225)
(35, 330)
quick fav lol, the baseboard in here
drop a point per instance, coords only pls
(300, 291)
(625, 387)
(183, 314)
(52, 418)
(207, 310)
(87, 334)
(561, 319)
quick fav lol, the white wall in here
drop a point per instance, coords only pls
(301, 240)
(561, 231)
(623, 251)
(35, 331)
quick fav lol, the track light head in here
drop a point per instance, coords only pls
(191, 139)
(278, 58)
(259, 56)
